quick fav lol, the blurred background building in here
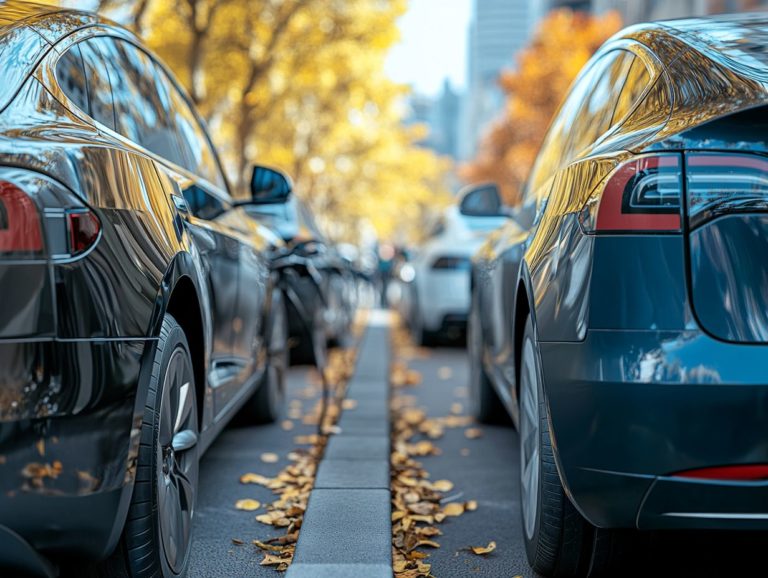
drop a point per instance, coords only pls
(498, 29)
(634, 11)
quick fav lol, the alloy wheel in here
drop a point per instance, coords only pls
(177, 460)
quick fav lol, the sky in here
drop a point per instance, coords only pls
(433, 45)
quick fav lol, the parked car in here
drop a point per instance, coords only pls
(139, 308)
(434, 294)
(321, 310)
(621, 318)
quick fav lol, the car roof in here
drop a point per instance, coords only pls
(27, 32)
(737, 42)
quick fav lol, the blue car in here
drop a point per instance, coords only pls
(630, 349)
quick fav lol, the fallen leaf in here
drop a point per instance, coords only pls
(269, 458)
(237, 542)
(470, 506)
(269, 547)
(255, 479)
(287, 425)
(248, 505)
(442, 485)
(473, 433)
(453, 509)
(349, 404)
(480, 551)
(456, 408)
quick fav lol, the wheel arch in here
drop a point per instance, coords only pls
(183, 295)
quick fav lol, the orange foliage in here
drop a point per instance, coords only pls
(562, 45)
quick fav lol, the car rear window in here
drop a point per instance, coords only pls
(20, 50)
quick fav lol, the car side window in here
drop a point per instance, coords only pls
(197, 154)
(70, 75)
(637, 81)
(201, 203)
(101, 108)
(141, 117)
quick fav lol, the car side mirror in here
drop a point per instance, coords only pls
(269, 186)
(482, 201)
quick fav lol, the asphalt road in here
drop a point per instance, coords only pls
(237, 451)
(487, 473)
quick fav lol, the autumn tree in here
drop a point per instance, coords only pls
(562, 45)
(299, 84)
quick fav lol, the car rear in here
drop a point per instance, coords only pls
(659, 413)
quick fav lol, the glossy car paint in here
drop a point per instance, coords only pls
(647, 341)
(76, 334)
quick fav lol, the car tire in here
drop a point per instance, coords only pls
(558, 540)
(266, 404)
(156, 538)
(485, 403)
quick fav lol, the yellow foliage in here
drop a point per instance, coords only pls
(545, 69)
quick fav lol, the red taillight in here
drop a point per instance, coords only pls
(642, 194)
(84, 229)
(743, 473)
(20, 231)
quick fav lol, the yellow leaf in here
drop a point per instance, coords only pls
(248, 505)
(453, 509)
(269, 458)
(443, 485)
(480, 551)
(473, 433)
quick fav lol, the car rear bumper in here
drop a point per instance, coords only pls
(630, 409)
(69, 426)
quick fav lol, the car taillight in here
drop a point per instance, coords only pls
(452, 264)
(720, 184)
(743, 473)
(641, 195)
(83, 228)
(20, 230)
(41, 219)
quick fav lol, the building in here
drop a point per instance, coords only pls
(499, 28)
(634, 11)
(441, 116)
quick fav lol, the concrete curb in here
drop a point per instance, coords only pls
(347, 529)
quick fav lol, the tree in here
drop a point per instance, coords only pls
(562, 45)
(299, 84)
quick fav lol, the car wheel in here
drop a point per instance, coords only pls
(554, 532)
(486, 404)
(157, 534)
(266, 404)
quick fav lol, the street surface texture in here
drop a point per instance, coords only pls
(239, 450)
(484, 469)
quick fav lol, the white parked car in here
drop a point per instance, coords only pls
(435, 292)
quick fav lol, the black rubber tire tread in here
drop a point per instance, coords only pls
(562, 538)
(138, 552)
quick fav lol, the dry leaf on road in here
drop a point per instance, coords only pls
(482, 551)
(269, 458)
(248, 505)
(473, 433)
